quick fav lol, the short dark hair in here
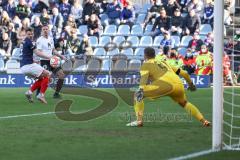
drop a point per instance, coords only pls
(149, 52)
(29, 29)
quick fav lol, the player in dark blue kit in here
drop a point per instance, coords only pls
(32, 69)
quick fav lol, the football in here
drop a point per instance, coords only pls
(55, 61)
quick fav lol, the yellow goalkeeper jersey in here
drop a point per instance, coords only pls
(161, 70)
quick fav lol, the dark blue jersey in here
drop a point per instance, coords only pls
(27, 52)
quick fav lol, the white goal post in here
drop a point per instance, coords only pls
(217, 119)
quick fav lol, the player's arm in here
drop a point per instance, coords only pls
(41, 54)
(186, 76)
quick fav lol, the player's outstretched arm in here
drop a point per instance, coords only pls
(186, 76)
(41, 54)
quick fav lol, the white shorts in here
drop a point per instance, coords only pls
(32, 70)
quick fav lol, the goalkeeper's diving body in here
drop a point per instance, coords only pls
(165, 81)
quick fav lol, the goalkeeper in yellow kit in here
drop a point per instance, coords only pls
(164, 82)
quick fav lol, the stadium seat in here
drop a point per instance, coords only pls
(2, 67)
(83, 29)
(157, 41)
(146, 41)
(137, 30)
(120, 65)
(93, 41)
(182, 51)
(148, 29)
(140, 18)
(104, 18)
(110, 30)
(185, 40)
(134, 65)
(133, 40)
(145, 8)
(13, 67)
(106, 65)
(104, 40)
(139, 52)
(79, 65)
(118, 40)
(123, 30)
(16, 54)
(176, 40)
(128, 52)
(205, 29)
(93, 65)
(99, 52)
(113, 52)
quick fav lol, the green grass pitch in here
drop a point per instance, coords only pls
(47, 137)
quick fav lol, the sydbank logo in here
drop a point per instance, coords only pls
(7, 80)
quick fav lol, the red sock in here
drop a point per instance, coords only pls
(44, 85)
(36, 85)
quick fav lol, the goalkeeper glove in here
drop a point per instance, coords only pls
(139, 95)
(192, 87)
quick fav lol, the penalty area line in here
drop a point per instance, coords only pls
(193, 155)
(28, 115)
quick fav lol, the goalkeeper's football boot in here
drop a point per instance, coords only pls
(41, 98)
(29, 97)
(135, 124)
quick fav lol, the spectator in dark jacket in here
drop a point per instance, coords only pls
(208, 13)
(162, 22)
(177, 23)
(57, 22)
(39, 7)
(195, 42)
(90, 8)
(127, 15)
(192, 23)
(93, 25)
(6, 44)
(10, 8)
(153, 12)
(12, 34)
(171, 7)
(37, 28)
(114, 12)
(45, 18)
(65, 9)
(22, 10)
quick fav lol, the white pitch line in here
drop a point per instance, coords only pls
(27, 115)
(193, 155)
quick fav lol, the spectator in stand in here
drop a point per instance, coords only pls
(45, 18)
(183, 4)
(21, 34)
(22, 10)
(204, 62)
(90, 8)
(195, 42)
(5, 19)
(171, 7)
(114, 12)
(174, 60)
(128, 15)
(153, 13)
(209, 42)
(65, 9)
(197, 6)
(57, 22)
(71, 22)
(39, 6)
(208, 13)
(66, 33)
(227, 73)
(167, 41)
(12, 34)
(177, 23)
(192, 23)
(6, 45)
(37, 28)
(162, 24)
(17, 23)
(76, 11)
(93, 25)
(189, 62)
(10, 8)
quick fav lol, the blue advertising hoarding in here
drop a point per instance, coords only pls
(116, 80)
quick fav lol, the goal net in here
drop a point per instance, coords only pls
(231, 66)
